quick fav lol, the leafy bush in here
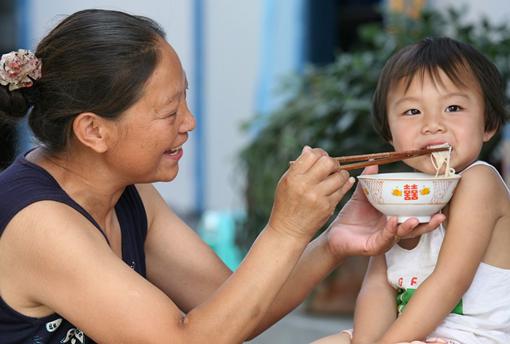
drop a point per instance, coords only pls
(329, 107)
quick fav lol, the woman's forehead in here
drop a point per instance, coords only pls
(168, 80)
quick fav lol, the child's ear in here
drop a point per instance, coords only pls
(487, 135)
(92, 131)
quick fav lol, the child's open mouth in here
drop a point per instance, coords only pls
(441, 145)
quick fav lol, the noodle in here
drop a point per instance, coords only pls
(440, 159)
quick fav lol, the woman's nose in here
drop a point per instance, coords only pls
(188, 122)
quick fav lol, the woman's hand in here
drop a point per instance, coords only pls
(307, 194)
(360, 229)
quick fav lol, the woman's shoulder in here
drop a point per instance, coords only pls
(40, 238)
(22, 184)
(45, 220)
(40, 230)
(155, 205)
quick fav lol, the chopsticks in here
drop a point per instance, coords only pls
(364, 160)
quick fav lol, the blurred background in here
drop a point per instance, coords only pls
(267, 77)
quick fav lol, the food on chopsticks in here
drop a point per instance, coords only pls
(441, 160)
(353, 162)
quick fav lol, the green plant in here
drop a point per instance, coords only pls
(329, 107)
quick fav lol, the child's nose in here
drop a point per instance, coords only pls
(433, 124)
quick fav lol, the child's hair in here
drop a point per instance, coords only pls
(93, 61)
(453, 58)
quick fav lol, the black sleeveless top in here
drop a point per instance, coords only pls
(24, 183)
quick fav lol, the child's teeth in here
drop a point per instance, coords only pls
(439, 146)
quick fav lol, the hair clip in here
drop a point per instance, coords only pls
(19, 69)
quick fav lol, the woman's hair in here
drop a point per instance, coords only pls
(452, 57)
(93, 61)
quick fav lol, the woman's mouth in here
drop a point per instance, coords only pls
(174, 153)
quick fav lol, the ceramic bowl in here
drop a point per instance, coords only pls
(408, 194)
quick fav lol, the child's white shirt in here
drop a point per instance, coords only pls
(483, 315)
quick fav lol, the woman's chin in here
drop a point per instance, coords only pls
(160, 176)
(166, 180)
(168, 176)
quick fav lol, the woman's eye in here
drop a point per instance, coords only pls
(412, 112)
(453, 108)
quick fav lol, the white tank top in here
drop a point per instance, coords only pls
(483, 314)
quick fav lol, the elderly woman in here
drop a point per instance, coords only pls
(90, 252)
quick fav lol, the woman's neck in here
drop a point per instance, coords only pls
(85, 178)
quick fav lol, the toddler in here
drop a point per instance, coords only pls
(450, 285)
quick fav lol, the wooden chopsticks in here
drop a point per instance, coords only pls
(364, 160)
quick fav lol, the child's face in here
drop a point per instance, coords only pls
(431, 113)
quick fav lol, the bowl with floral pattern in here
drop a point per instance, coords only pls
(408, 194)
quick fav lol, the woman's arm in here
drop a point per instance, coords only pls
(359, 229)
(64, 265)
(186, 269)
(472, 215)
(376, 304)
(196, 272)
(178, 262)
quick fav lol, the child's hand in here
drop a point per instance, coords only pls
(360, 229)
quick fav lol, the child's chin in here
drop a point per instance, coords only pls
(432, 170)
(425, 168)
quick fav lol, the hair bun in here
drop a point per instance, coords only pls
(18, 71)
(13, 104)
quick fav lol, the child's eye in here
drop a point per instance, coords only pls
(412, 112)
(453, 108)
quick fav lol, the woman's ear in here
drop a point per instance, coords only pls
(92, 131)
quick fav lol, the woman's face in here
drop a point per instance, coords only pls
(152, 132)
(433, 112)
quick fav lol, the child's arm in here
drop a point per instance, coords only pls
(472, 215)
(376, 307)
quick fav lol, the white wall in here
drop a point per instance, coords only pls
(232, 53)
(496, 10)
(232, 30)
